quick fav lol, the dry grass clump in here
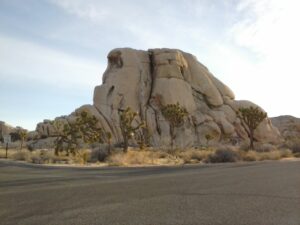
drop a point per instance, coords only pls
(149, 156)
(48, 157)
(272, 155)
(44, 157)
(143, 157)
(195, 155)
(10, 152)
(265, 147)
(286, 153)
(249, 156)
(21, 155)
(37, 156)
(82, 157)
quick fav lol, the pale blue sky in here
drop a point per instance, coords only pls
(53, 52)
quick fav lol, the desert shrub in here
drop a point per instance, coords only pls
(297, 154)
(172, 151)
(195, 155)
(249, 156)
(82, 157)
(260, 156)
(35, 159)
(295, 147)
(85, 156)
(10, 152)
(244, 146)
(22, 155)
(143, 157)
(136, 158)
(98, 154)
(42, 157)
(224, 154)
(274, 155)
(30, 147)
(2, 153)
(60, 159)
(265, 147)
(285, 153)
(162, 154)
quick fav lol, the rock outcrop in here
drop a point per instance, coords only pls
(288, 126)
(6, 129)
(142, 80)
(13, 132)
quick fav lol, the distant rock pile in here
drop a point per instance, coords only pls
(6, 129)
(13, 132)
(142, 80)
(288, 126)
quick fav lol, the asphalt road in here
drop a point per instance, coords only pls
(247, 193)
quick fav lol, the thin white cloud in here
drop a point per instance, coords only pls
(147, 24)
(84, 9)
(23, 61)
(268, 29)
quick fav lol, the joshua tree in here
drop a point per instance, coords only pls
(143, 136)
(252, 117)
(85, 128)
(89, 129)
(127, 117)
(108, 138)
(175, 114)
(67, 137)
(23, 136)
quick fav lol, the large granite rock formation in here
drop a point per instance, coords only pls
(288, 126)
(139, 79)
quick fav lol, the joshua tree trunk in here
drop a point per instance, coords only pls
(22, 141)
(251, 139)
(125, 147)
(109, 147)
(172, 136)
